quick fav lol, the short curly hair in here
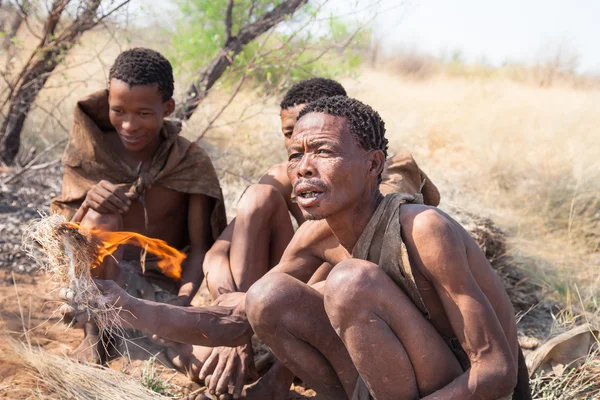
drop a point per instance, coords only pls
(142, 66)
(309, 90)
(364, 122)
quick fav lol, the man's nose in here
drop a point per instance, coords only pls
(306, 168)
(129, 124)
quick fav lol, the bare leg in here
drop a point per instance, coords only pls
(262, 231)
(217, 270)
(289, 316)
(381, 327)
(320, 274)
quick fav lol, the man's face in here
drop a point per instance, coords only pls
(289, 116)
(328, 168)
(137, 113)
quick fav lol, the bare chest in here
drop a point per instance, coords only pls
(166, 213)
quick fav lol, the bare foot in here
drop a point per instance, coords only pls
(185, 358)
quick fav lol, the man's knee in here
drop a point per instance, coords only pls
(260, 200)
(267, 300)
(107, 222)
(349, 288)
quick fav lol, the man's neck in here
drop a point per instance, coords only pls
(347, 226)
(143, 157)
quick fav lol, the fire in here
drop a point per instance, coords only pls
(170, 259)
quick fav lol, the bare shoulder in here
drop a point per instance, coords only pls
(423, 221)
(433, 238)
(278, 173)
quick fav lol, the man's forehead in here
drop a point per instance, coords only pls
(317, 124)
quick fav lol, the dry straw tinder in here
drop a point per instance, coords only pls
(61, 378)
(67, 256)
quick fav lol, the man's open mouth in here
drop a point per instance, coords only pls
(308, 194)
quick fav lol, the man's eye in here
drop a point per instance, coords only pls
(145, 114)
(324, 151)
(117, 111)
(294, 156)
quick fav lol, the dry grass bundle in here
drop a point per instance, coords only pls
(68, 256)
(61, 378)
(578, 383)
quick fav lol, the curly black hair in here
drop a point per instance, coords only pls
(364, 122)
(141, 66)
(309, 90)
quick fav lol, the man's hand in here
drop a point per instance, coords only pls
(106, 198)
(73, 314)
(78, 315)
(229, 366)
(234, 300)
(112, 292)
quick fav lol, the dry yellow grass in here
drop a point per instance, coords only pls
(523, 155)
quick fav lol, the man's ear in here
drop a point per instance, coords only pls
(377, 162)
(169, 107)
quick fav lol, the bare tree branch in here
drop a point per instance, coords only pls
(217, 66)
(228, 20)
(51, 51)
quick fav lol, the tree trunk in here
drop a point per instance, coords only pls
(231, 48)
(37, 74)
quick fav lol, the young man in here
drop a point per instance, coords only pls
(411, 310)
(255, 240)
(127, 169)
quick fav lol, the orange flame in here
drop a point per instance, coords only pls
(170, 259)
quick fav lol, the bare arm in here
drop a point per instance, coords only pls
(205, 326)
(442, 256)
(305, 253)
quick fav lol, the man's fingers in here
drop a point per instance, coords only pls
(66, 310)
(66, 294)
(216, 376)
(96, 205)
(117, 202)
(108, 200)
(118, 191)
(208, 366)
(80, 213)
(227, 376)
(240, 379)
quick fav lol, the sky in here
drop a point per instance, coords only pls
(496, 31)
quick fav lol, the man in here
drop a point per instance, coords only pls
(255, 240)
(127, 169)
(411, 310)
